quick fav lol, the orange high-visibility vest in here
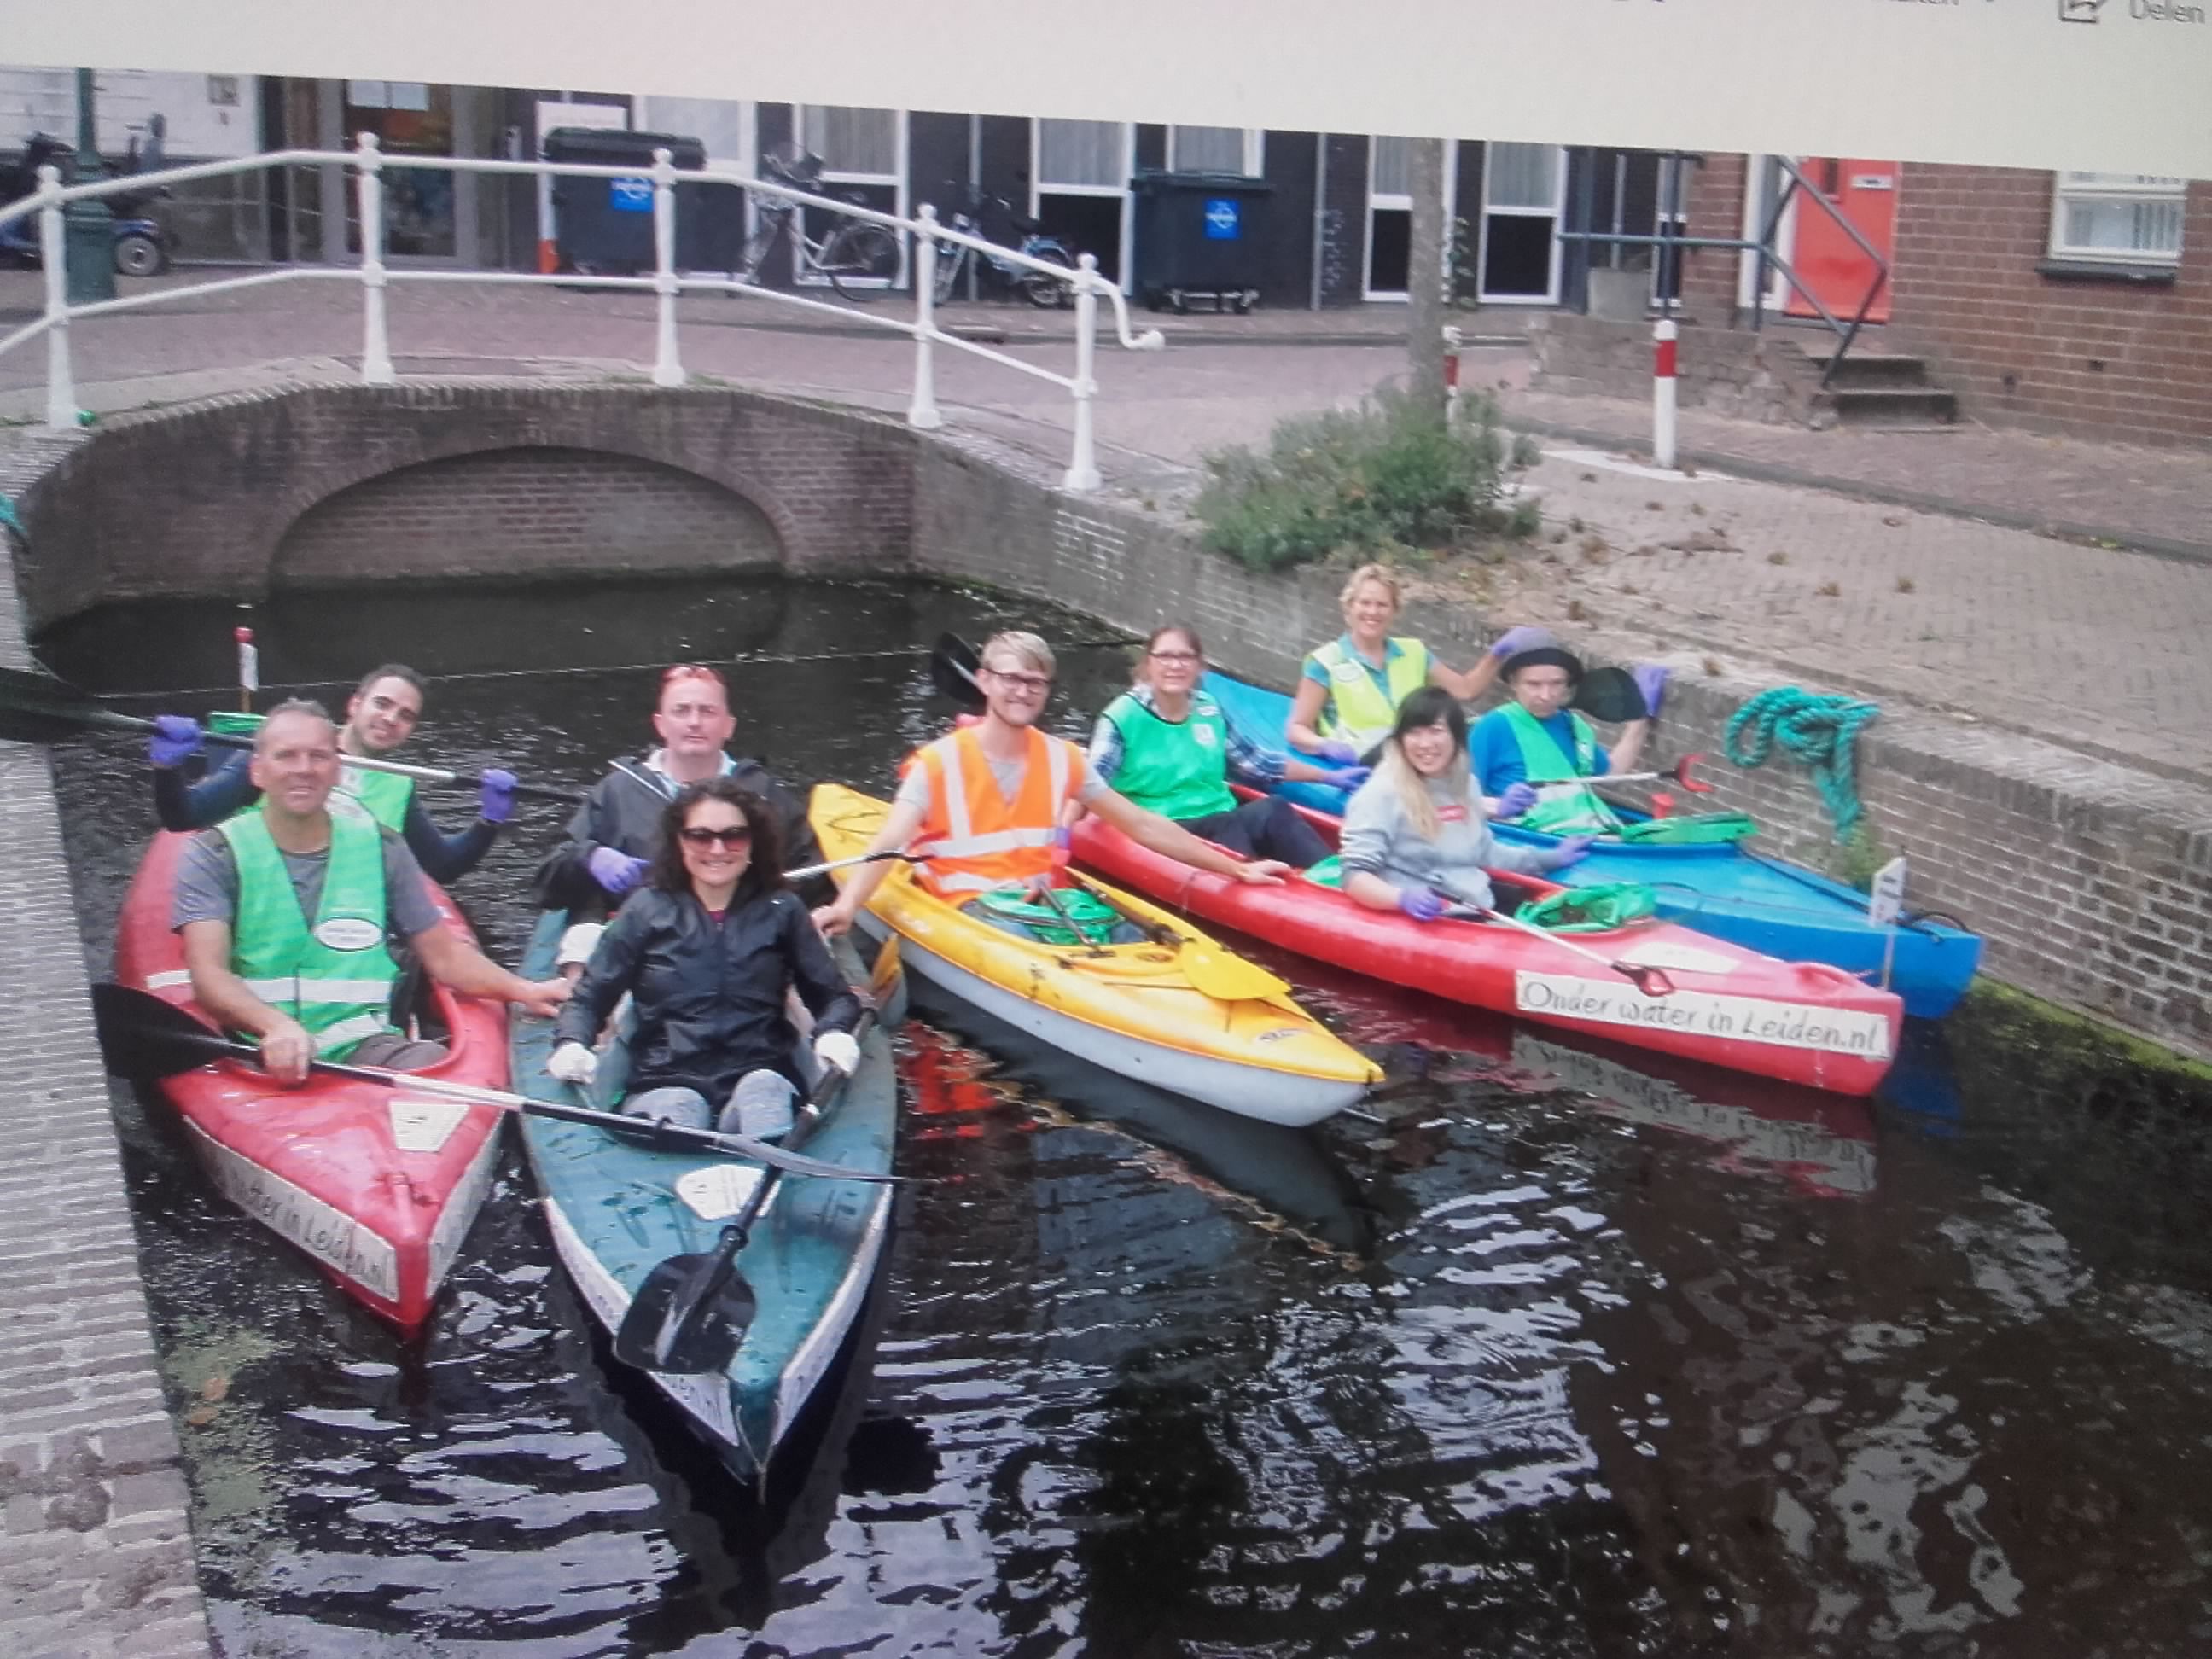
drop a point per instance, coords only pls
(973, 837)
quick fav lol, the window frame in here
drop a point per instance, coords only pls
(1255, 156)
(2066, 190)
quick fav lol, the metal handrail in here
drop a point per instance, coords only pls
(367, 160)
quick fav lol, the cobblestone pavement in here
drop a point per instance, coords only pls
(2094, 647)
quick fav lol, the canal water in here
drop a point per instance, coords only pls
(1575, 1355)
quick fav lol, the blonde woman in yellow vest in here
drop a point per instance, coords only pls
(986, 804)
(286, 920)
(1350, 689)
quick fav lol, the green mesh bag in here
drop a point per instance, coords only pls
(1592, 909)
(1698, 829)
(1093, 916)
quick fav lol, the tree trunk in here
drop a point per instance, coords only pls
(1424, 277)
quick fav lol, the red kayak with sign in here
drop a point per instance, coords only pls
(1802, 1022)
(377, 1185)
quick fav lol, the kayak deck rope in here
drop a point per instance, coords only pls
(1819, 731)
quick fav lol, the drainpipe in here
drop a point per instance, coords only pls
(1320, 213)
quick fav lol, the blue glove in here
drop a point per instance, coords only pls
(1349, 777)
(1338, 754)
(1651, 680)
(175, 736)
(1518, 799)
(1421, 903)
(616, 871)
(1514, 641)
(1573, 850)
(496, 803)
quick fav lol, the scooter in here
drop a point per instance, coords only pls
(142, 246)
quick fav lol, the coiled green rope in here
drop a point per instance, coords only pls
(1819, 731)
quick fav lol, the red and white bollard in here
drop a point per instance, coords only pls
(1663, 393)
(1451, 375)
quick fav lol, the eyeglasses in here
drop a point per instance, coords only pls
(736, 835)
(1035, 684)
(692, 671)
(1174, 656)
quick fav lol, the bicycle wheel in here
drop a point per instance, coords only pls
(860, 260)
(1047, 293)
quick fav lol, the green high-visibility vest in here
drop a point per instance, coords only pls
(334, 978)
(1564, 805)
(1178, 769)
(1357, 712)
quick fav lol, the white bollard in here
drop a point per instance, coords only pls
(666, 369)
(1453, 338)
(375, 340)
(54, 255)
(922, 413)
(1663, 393)
(1082, 476)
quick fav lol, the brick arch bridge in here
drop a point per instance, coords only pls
(336, 485)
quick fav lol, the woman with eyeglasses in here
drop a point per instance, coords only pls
(1167, 746)
(707, 948)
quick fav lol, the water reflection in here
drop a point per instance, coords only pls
(1574, 1354)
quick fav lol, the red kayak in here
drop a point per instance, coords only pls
(1800, 1022)
(378, 1186)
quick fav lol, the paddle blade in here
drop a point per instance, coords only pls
(39, 708)
(952, 666)
(1611, 695)
(703, 1333)
(143, 1036)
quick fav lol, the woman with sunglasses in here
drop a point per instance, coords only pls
(707, 949)
(1415, 838)
(1167, 746)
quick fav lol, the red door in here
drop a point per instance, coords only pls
(1825, 258)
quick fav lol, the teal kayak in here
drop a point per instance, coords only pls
(617, 1207)
(1763, 903)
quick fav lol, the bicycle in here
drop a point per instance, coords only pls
(1041, 291)
(859, 258)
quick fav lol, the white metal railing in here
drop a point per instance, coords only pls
(667, 284)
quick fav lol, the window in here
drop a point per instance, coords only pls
(1214, 149)
(2132, 218)
(1393, 161)
(1083, 154)
(852, 143)
(1522, 177)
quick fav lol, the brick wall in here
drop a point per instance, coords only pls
(1754, 377)
(2106, 357)
(2091, 883)
(1716, 200)
(234, 494)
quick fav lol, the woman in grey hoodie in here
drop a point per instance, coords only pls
(1415, 837)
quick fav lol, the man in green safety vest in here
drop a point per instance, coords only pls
(287, 915)
(1532, 752)
(381, 716)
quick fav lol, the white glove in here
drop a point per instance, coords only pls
(838, 1048)
(573, 1062)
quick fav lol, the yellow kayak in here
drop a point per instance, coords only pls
(1181, 1013)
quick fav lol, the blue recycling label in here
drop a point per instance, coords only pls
(630, 194)
(1223, 218)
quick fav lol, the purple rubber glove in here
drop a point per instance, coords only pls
(1518, 799)
(1348, 777)
(1651, 680)
(496, 803)
(616, 871)
(1515, 640)
(1421, 903)
(1573, 850)
(1338, 754)
(175, 736)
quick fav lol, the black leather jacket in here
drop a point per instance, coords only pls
(709, 998)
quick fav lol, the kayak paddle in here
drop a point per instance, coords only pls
(692, 1311)
(808, 871)
(953, 665)
(141, 1036)
(38, 708)
(1611, 695)
(1652, 982)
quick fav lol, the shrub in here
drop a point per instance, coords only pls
(1355, 481)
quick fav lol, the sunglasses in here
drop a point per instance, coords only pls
(692, 671)
(737, 835)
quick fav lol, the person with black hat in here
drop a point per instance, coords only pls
(1530, 753)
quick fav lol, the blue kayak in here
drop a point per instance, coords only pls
(616, 1208)
(1765, 904)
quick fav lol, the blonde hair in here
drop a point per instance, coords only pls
(1430, 706)
(1034, 653)
(1371, 573)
